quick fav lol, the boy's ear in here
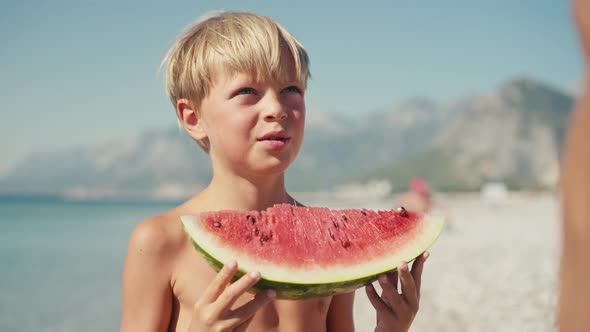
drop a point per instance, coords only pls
(188, 117)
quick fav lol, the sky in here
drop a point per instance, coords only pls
(75, 73)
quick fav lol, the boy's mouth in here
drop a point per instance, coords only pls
(275, 140)
(275, 136)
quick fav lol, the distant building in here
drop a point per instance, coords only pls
(494, 191)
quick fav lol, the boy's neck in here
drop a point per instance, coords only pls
(240, 193)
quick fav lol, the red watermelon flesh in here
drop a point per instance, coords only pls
(305, 252)
(316, 236)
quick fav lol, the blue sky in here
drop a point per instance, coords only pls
(78, 72)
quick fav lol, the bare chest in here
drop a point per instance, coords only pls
(193, 275)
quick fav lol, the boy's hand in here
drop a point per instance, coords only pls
(395, 311)
(213, 310)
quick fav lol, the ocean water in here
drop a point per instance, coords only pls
(61, 263)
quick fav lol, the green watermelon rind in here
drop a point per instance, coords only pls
(296, 291)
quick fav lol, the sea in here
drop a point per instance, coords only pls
(61, 262)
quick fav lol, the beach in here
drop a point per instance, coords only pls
(494, 267)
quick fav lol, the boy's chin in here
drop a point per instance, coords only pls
(272, 167)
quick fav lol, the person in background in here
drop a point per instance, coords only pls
(574, 292)
(418, 198)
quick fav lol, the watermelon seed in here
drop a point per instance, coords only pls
(364, 213)
(335, 224)
(251, 218)
(402, 210)
(217, 224)
(264, 238)
(344, 218)
(332, 235)
(346, 244)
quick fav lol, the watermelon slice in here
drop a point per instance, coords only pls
(305, 252)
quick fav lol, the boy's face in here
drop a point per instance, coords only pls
(253, 127)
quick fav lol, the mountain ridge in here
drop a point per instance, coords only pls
(512, 134)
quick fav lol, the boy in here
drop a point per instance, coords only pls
(237, 81)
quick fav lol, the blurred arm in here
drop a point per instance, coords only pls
(574, 302)
(574, 297)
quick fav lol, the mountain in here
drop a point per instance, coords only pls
(338, 150)
(511, 135)
(156, 164)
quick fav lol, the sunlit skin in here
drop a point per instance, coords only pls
(574, 299)
(168, 286)
(239, 111)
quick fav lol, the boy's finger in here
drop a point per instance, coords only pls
(235, 290)
(409, 292)
(242, 316)
(217, 286)
(393, 277)
(391, 295)
(417, 268)
(375, 299)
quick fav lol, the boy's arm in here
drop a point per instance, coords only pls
(147, 296)
(340, 315)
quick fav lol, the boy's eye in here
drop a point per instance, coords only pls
(292, 88)
(246, 91)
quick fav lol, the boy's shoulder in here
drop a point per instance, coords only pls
(155, 235)
(160, 253)
(160, 236)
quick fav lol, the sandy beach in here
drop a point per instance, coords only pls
(494, 268)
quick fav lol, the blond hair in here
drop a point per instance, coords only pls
(229, 43)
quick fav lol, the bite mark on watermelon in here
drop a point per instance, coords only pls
(305, 252)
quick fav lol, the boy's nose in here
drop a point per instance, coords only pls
(277, 114)
(275, 110)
